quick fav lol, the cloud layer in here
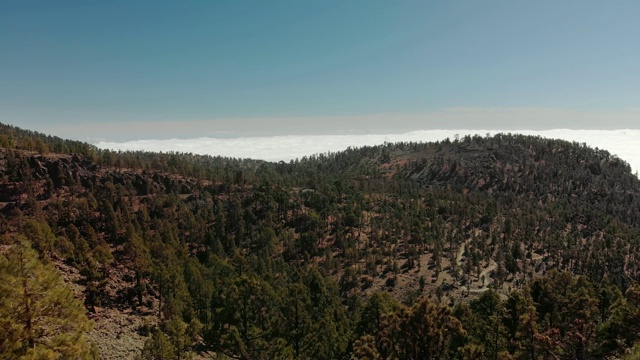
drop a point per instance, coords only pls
(514, 119)
(623, 143)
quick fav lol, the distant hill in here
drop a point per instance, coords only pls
(179, 253)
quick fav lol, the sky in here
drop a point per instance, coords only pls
(125, 70)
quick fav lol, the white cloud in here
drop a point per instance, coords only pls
(623, 143)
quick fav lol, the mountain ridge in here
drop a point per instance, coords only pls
(449, 221)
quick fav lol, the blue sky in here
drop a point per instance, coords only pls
(92, 68)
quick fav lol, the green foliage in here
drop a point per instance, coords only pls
(39, 317)
(372, 314)
(40, 235)
(634, 354)
(424, 331)
(158, 347)
(488, 327)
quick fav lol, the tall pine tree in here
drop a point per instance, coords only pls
(39, 317)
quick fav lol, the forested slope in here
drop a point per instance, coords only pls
(494, 247)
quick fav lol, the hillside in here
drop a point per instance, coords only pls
(506, 246)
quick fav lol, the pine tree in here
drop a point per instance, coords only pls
(424, 331)
(158, 347)
(39, 317)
